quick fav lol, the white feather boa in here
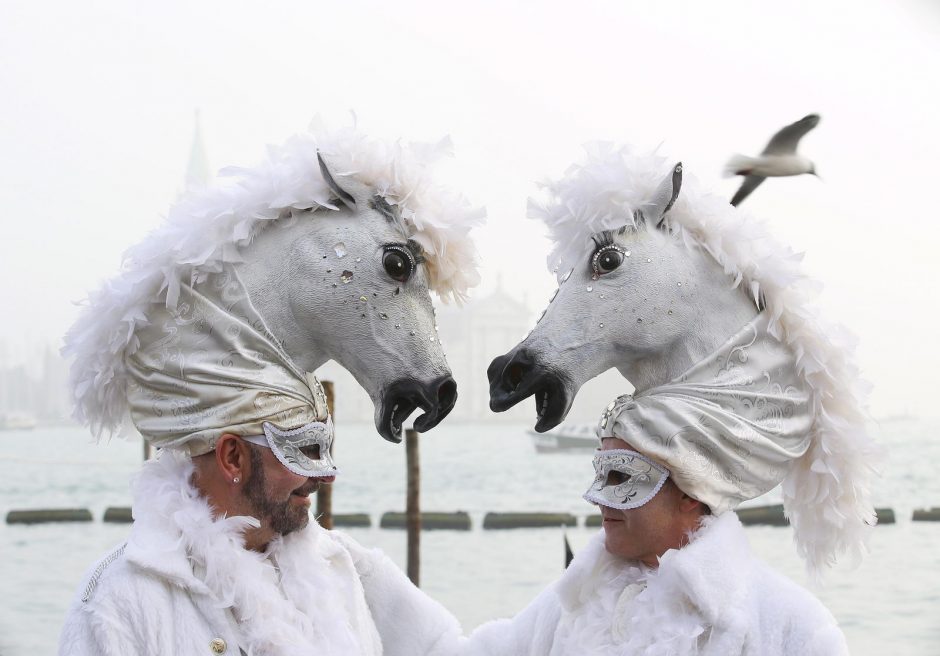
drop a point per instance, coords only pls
(322, 609)
(827, 491)
(209, 227)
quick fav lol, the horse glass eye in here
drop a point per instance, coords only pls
(606, 259)
(398, 263)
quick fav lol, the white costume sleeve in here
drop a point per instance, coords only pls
(409, 622)
(87, 633)
(94, 623)
(530, 633)
(827, 640)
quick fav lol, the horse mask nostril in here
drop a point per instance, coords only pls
(519, 368)
(447, 393)
(515, 373)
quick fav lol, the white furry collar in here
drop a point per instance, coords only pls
(319, 608)
(701, 585)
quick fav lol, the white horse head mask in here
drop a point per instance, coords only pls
(632, 297)
(744, 376)
(326, 252)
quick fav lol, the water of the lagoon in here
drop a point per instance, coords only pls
(890, 604)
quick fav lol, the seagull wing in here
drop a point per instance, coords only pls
(751, 182)
(787, 139)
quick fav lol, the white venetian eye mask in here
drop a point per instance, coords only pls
(624, 479)
(290, 446)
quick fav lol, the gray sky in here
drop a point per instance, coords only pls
(96, 121)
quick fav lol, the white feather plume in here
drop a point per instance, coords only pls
(207, 228)
(827, 491)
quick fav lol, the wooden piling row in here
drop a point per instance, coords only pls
(118, 516)
(430, 521)
(774, 516)
(528, 520)
(352, 520)
(927, 514)
(450, 521)
(763, 515)
(41, 516)
(884, 515)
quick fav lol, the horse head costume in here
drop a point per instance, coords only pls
(708, 317)
(327, 251)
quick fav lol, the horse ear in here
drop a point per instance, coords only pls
(665, 196)
(344, 196)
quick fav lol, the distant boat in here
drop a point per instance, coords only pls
(17, 421)
(567, 437)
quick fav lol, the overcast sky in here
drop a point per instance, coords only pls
(97, 102)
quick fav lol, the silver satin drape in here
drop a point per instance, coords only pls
(211, 366)
(729, 427)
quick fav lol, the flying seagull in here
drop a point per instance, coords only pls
(779, 158)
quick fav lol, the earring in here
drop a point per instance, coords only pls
(235, 480)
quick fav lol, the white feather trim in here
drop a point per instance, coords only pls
(827, 491)
(210, 227)
(320, 608)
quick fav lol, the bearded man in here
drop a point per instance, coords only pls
(223, 557)
(204, 342)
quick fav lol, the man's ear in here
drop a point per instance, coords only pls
(688, 504)
(232, 457)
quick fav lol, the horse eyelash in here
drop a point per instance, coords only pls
(606, 237)
(416, 251)
(603, 238)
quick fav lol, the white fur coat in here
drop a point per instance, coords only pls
(710, 598)
(184, 579)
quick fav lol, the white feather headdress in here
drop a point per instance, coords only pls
(208, 228)
(826, 492)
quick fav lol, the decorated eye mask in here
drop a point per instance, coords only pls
(305, 451)
(624, 479)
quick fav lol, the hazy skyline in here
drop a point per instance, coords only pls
(96, 122)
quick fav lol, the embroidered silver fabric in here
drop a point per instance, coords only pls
(729, 427)
(288, 446)
(624, 479)
(211, 366)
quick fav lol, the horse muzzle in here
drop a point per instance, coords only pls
(518, 375)
(404, 396)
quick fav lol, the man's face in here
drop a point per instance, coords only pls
(647, 532)
(279, 498)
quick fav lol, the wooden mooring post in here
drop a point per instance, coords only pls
(413, 506)
(325, 493)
